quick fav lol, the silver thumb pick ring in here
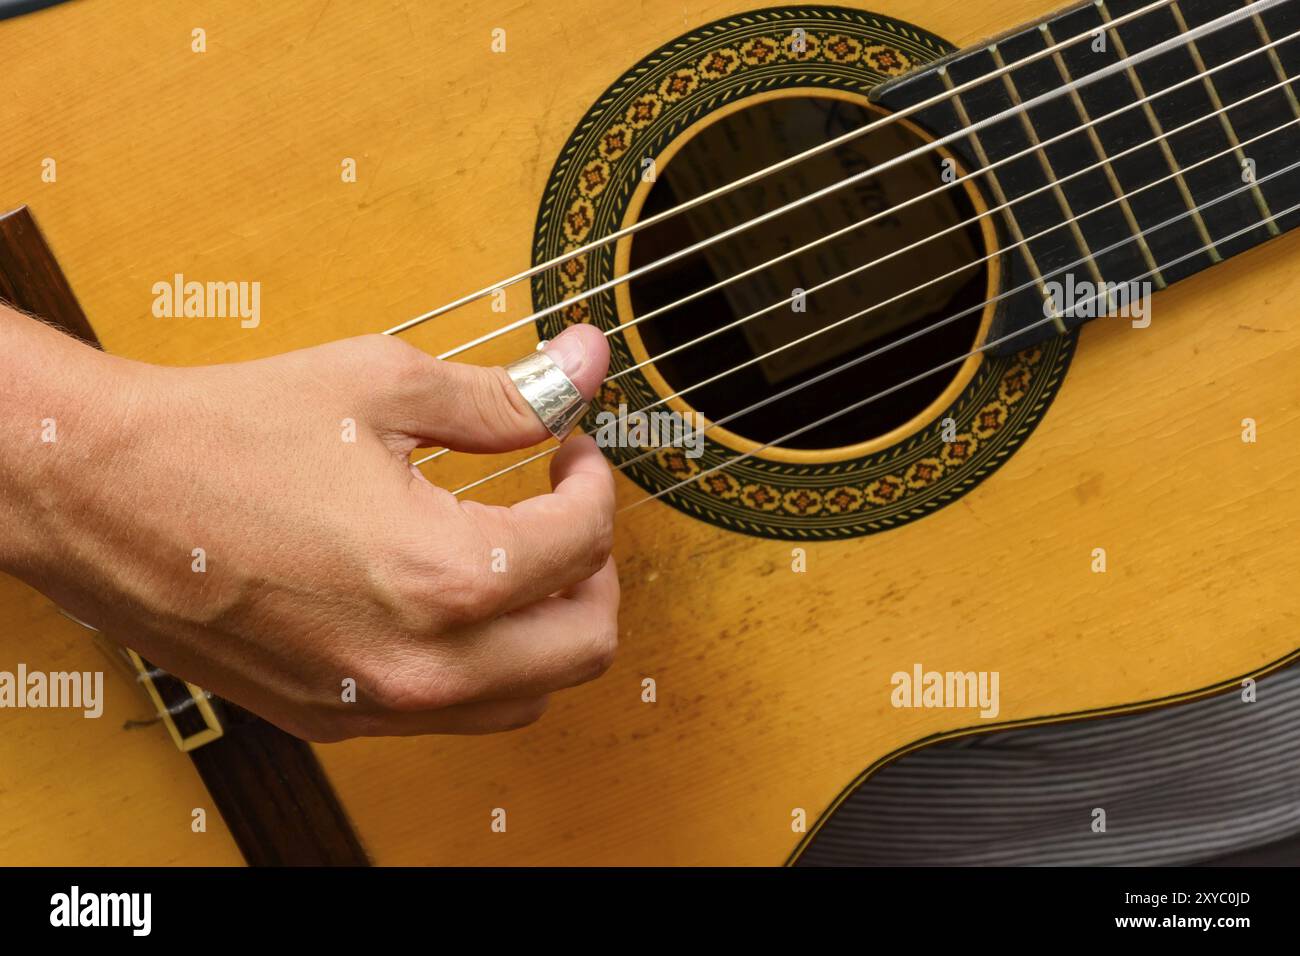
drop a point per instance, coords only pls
(546, 388)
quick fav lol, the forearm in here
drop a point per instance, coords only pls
(59, 401)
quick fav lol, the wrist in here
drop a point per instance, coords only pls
(58, 419)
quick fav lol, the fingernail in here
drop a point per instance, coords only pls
(567, 351)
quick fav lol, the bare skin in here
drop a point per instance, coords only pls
(324, 559)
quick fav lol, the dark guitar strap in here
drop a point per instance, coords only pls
(268, 786)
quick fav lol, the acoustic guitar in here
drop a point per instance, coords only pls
(979, 358)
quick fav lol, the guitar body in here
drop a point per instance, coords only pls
(772, 685)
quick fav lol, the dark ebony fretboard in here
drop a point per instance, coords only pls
(1242, 194)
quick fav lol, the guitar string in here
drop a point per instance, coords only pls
(1040, 147)
(938, 368)
(760, 173)
(920, 376)
(1251, 9)
(1164, 136)
(720, 375)
(912, 336)
(893, 388)
(1126, 63)
(1047, 186)
(1180, 41)
(920, 242)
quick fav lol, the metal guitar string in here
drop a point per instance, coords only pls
(1249, 10)
(825, 191)
(938, 368)
(923, 375)
(1164, 135)
(930, 238)
(912, 336)
(1037, 148)
(752, 177)
(654, 313)
(1047, 186)
(1172, 43)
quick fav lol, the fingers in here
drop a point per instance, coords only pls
(554, 540)
(476, 409)
(547, 621)
(498, 636)
(552, 644)
(497, 676)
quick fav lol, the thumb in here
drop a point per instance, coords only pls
(477, 409)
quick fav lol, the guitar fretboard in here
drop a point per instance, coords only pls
(1150, 160)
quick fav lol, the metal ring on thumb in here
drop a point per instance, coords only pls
(548, 391)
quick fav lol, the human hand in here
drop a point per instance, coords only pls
(322, 559)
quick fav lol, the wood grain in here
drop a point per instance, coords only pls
(31, 279)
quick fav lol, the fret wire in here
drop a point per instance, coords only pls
(1154, 51)
(1271, 50)
(914, 335)
(1158, 128)
(1106, 160)
(540, 267)
(1212, 90)
(1125, 207)
(1090, 125)
(994, 182)
(1046, 164)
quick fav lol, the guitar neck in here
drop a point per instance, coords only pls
(1148, 149)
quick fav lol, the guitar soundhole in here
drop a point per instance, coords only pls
(755, 137)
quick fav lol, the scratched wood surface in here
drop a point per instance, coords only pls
(773, 687)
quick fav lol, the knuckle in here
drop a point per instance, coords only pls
(407, 689)
(428, 592)
(602, 650)
(468, 596)
(593, 541)
(602, 541)
(411, 598)
(410, 366)
(400, 358)
(492, 588)
(374, 350)
(403, 369)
